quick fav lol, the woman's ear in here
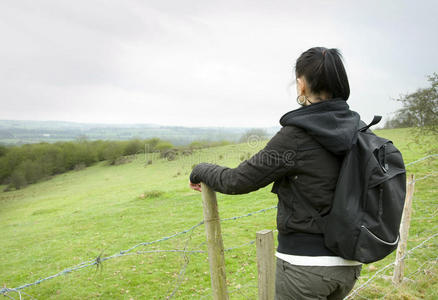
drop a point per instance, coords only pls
(301, 86)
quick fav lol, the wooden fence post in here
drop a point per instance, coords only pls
(397, 277)
(265, 264)
(215, 243)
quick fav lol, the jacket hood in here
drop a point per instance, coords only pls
(330, 122)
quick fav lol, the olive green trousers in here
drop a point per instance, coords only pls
(314, 282)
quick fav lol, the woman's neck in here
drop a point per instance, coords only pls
(313, 98)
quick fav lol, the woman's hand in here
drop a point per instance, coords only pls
(195, 186)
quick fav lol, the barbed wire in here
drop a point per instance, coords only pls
(99, 260)
(423, 218)
(239, 290)
(424, 177)
(249, 214)
(356, 291)
(240, 246)
(183, 269)
(421, 159)
(429, 201)
(18, 292)
(6, 295)
(163, 238)
(427, 176)
(395, 287)
(186, 251)
(421, 266)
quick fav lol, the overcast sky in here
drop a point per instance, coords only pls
(203, 63)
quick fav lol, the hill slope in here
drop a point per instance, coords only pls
(101, 210)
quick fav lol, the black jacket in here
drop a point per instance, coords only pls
(303, 160)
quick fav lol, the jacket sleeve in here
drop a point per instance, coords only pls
(274, 161)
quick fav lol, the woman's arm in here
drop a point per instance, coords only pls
(270, 163)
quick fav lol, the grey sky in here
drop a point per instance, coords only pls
(203, 63)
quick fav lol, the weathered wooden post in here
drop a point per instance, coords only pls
(404, 231)
(265, 264)
(215, 243)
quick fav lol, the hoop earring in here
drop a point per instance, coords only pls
(300, 99)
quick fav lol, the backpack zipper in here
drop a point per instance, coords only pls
(380, 212)
(379, 239)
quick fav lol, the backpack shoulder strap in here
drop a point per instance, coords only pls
(375, 120)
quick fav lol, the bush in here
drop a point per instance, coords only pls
(85, 153)
(99, 148)
(18, 180)
(253, 135)
(151, 194)
(53, 159)
(151, 145)
(133, 147)
(170, 154)
(220, 143)
(4, 172)
(198, 145)
(206, 144)
(187, 152)
(113, 150)
(122, 160)
(420, 112)
(33, 170)
(163, 146)
(80, 166)
(3, 150)
(26, 164)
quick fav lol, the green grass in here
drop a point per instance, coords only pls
(77, 216)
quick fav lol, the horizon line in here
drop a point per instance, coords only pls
(125, 124)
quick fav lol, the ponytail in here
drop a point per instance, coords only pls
(324, 72)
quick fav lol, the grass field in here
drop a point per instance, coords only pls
(101, 210)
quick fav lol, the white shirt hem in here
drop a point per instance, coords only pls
(327, 261)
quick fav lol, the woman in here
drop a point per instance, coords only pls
(304, 162)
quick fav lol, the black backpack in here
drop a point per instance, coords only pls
(363, 223)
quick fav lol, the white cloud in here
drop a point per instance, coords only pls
(201, 63)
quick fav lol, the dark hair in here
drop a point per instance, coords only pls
(324, 71)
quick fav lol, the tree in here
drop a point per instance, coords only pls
(18, 179)
(199, 144)
(421, 107)
(133, 147)
(112, 152)
(3, 150)
(163, 146)
(253, 135)
(420, 112)
(151, 144)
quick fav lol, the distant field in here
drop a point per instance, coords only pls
(17, 132)
(101, 210)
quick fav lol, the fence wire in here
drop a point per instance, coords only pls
(375, 275)
(421, 159)
(99, 260)
(186, 253)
